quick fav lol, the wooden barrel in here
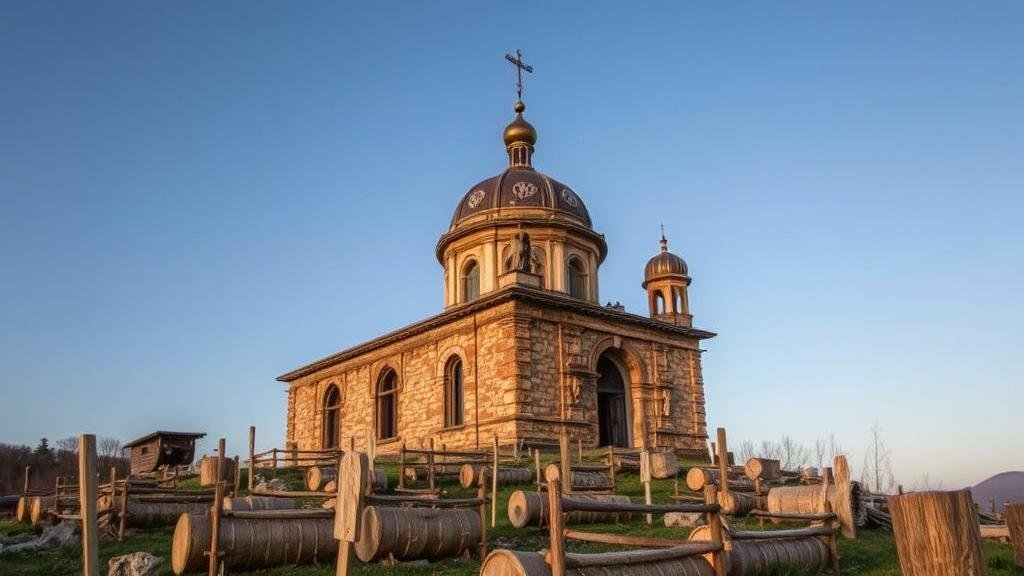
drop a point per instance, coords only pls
(697, 478)
(416, 533)
(664, 465)
(1015, 522)
(515, 563)
(469, 475)
(737, 503)
(252, 544)
(250, 503)
(763, 468)
(531, 509)
(937, 534)
(208, 471)
(770, 556)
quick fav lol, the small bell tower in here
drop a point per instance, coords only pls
(666, 281)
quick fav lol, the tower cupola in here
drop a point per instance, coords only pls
(666, 279)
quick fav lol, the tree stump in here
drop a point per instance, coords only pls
(937, 534)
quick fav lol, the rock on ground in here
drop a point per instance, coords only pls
(63, 534)
(137, 564)
(684, 519)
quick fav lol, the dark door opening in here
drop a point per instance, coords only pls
(613, 428)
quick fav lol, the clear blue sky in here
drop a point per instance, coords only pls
(198, 197)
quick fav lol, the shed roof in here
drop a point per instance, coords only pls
(150, 436)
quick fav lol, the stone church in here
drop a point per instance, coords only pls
(523, 345)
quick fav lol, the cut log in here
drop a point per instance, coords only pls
(515, 563)
(319, 479)
(469, 475)
(208, 471)
(737, 503)
(771, 555)
(843, 496)
(937, 534)
(149, 515)
(532, 509)
(590, 480)
(664, 465)
(697, 478)
(23, 508)
(40, 506)
(416, 533)
(250, 503)
(626, 462)
(763, 468)
(1015, 522)
(252, 544)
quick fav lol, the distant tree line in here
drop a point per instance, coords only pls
(48, 462)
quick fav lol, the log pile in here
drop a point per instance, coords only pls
(697, 478)
(763, 469)
(937, 533)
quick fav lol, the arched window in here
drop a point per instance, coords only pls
(387, 405)
(332, 417)
(471, 281)
(454, 397)
(576, 278)
(659, 302)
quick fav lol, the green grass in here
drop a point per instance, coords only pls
(873, 553)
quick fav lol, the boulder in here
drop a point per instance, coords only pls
(684, 519)
(136, 564)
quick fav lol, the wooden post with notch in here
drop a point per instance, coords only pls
(645, 478)
(353, 478)
(716, 528)
(216, 510)
(556, 546)
(494, 485)
(536, 468)
(252, 458)
(723, 462)
(87, 497)
(238, 478)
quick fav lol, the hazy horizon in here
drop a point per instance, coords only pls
(198, 198)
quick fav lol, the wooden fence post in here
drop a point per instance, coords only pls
(401, 466)
(252, 458)
(215, 512)
(238, 478)
(556, 546)
(87, 497)
(123, 520)
(563, 448)
(645, 478)
(354, 475)
(24, 488)
(715, 527)
(536, 466)
(430, 465)
(481, 493)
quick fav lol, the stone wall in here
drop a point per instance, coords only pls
(524, 366)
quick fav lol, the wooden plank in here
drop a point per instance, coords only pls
(87, 490)
(557, 521)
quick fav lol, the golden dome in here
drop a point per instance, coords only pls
(664, 264)
(519, 130)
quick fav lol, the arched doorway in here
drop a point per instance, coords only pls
(612, 404)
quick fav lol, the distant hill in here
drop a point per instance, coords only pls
(1004, 487)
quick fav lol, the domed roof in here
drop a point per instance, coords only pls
(521, 188)
(664, 264)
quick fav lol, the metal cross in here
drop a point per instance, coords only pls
(520, 66)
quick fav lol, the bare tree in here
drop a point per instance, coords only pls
(746, 451)
(820, 452)
(793, 454)
(770, 450)
(69, 444)
(877, 472)
(108, 447)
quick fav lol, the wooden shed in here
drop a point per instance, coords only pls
(162, 448)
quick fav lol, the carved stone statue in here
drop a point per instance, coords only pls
(521, 252)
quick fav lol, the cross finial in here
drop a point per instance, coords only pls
(664, 241)
(520, 65)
